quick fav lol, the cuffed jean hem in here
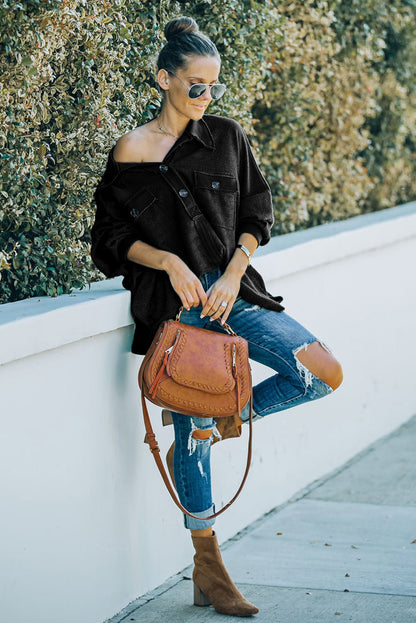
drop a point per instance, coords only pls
(245, 414)
(200, 524)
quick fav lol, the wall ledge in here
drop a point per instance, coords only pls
(38, 324)
(301, 250)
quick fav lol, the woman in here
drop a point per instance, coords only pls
(181, 209)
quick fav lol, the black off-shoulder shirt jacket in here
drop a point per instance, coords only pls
(211, 165)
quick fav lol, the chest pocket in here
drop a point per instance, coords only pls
(139, 203)
(216, 195)
(149, 211)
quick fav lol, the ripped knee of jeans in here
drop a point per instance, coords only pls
(306, 374)
(199, 436)
(202, 434)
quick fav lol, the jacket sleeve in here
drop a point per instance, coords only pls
(255, 214)
(113, 231)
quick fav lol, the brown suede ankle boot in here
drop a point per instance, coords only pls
(212, 584)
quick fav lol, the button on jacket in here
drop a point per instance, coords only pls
(195, 203)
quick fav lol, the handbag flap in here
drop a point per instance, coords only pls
(202, 360)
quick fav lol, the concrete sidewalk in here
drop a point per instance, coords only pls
(343, 550)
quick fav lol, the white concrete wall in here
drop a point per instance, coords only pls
(86, 525)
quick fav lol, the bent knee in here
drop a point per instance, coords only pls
(331, 373)
(321, 363)
(335, 376)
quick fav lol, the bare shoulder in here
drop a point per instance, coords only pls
(133, 146)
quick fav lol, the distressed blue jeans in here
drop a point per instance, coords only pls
(274, 338)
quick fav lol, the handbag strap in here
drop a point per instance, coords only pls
(207, 234)
(225, 326)
(174, 179)
(155, 450)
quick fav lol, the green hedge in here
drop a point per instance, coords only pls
(326, 91)
(336, 125)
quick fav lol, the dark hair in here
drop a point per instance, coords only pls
(184, 39)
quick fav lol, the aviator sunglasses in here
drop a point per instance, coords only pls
(197, 90)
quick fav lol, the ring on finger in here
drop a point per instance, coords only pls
(223, 304)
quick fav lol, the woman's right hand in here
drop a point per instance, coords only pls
(185, 283)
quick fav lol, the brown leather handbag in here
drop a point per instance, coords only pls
(199, 373)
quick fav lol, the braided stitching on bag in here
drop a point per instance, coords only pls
(200, 406)
(167, 394)
(197, 384)
(209, 407)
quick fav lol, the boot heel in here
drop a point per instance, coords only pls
(166, 417)
(200, 599)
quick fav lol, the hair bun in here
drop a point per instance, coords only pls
(179, 25)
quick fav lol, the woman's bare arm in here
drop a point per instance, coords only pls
(185, 283)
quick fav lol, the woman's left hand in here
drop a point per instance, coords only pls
(221, 297)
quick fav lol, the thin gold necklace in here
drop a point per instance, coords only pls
(167, 132)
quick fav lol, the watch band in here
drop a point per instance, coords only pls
(245, 250)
